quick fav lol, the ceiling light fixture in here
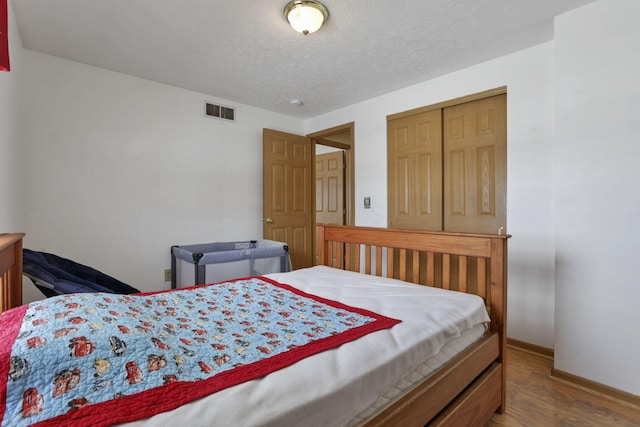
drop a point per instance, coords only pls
(306, 16)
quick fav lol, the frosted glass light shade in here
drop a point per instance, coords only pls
(306, 16)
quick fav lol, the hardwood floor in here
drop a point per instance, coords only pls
(535, 400)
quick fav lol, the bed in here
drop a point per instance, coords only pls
(465, 390)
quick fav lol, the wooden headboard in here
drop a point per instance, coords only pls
(10, 270)
(470, 263)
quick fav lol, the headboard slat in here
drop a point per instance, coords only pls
(416, 267)
(446, 271)
(481, 269)
(431, 269)
(356, 259)
(347, 256)
(462, 273)
(367, 259)
(402, 267)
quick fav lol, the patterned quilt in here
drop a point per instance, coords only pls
(98, 359)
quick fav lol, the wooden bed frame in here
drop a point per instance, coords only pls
(10, 271)
(470, 388)
(464, 392)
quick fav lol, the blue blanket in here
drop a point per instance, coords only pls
(97, 359)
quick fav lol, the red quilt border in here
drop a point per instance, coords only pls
(7, 338)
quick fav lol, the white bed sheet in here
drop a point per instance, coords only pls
(333, 387)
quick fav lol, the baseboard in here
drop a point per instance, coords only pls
(531, 348)
(614, 394)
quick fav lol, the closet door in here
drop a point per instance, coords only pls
(475, 166)
(414, 176)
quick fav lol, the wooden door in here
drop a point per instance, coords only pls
(330, 201)
(330, 188)
(414, 177)
(287, 206)
(475, 166)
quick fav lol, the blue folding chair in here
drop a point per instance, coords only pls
(54, 275)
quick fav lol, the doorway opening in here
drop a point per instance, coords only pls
(333, 175)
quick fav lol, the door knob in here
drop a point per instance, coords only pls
(268, 220)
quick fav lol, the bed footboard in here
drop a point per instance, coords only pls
(10, 271)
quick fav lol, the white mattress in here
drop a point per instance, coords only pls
(346, 384)
(414, 377)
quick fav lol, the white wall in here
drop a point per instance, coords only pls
(528, 76)
(597, 193)
(10, 132)
(117, 169)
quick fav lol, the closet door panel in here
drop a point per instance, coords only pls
(475, 163)
(414, 161)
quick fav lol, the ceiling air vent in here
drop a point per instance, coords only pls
(220, 112)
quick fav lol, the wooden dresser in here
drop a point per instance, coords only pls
(10, 270)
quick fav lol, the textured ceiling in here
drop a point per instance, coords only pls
(245, 51)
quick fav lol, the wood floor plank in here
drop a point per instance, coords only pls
(533, 399)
